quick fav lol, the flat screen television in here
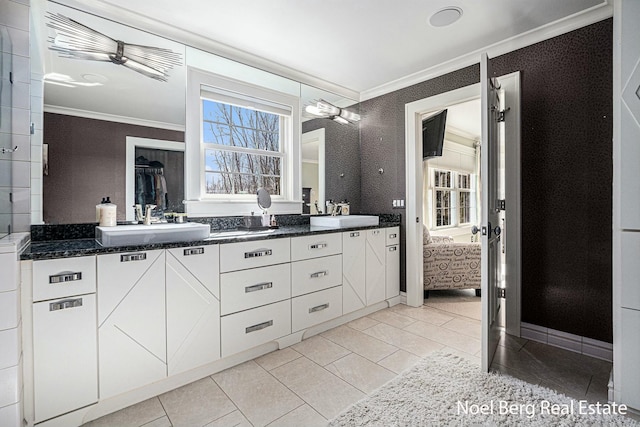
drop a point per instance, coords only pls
(433, 134)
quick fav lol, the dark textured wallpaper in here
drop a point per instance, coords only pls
(87, 162)
(566, 172)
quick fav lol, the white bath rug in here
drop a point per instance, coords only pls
(444, 389)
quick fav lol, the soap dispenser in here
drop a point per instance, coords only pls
(108, 213)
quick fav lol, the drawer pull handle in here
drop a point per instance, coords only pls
(393, 236)
(354, 234)
(319, 274)
(393, 248)
(258, 287)
(67, 303)
(318, 246)
(375, 232)
(65, 277)
(133, 257)
(258, 253)
(193, 251)
(319, 308)
(259, 326)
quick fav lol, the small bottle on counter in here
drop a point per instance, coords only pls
(273, 221)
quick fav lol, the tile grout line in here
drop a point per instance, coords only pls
(230, 400)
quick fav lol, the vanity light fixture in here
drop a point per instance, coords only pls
(77, 41)
(327, 110)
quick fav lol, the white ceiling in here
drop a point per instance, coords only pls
(354, 44)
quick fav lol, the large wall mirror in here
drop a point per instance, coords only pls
(91, 107)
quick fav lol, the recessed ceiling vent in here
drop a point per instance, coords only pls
(446, 16)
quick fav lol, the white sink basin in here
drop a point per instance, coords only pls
(125, 235)
(344, 221)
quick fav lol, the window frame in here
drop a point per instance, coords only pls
(198, 202)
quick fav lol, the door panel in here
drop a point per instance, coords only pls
(491, 266)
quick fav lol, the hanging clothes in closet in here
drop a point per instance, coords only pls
(151, 184)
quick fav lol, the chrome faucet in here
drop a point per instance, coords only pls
(147, 214)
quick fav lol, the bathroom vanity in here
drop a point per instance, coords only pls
(107, 327)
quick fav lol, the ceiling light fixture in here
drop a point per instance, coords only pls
(326, 110)
(445, 16)
(76, 41)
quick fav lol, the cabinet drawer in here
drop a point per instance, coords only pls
(251, 328)
(243, 255)
(392, 235)
(241, 290)
(315, 246)
(315, 274)
(58, 278)
(318, 307)
(65, 355)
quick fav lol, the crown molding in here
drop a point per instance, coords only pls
(112, 118)
(545, 32)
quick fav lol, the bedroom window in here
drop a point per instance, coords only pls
(453, 198)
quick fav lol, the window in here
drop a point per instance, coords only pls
(242, 149)
(453, 198)
(443, 195)
(464, 198)
(240, 137)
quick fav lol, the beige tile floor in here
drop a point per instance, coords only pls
(314, 380)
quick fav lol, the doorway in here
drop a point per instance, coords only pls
(415, 193)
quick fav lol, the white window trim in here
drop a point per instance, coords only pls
(196, 203)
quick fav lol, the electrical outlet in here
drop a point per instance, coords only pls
(398, 204)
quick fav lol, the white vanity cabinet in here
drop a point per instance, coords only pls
(193, 307)
(392, 261)
(255, 293)
(316, 280)
(65, 359)
(131, 319)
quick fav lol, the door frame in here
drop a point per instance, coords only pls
(132, 142)
(415, 191)
(311, 136)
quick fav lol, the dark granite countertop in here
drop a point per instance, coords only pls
(51, 249)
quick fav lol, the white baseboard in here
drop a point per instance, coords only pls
(576, 343)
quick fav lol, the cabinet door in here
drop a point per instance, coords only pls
(392, 271)
(65, 355)
(375, 266)
(353, 271)
(193, 307)
(131, 318)
(630, 346)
